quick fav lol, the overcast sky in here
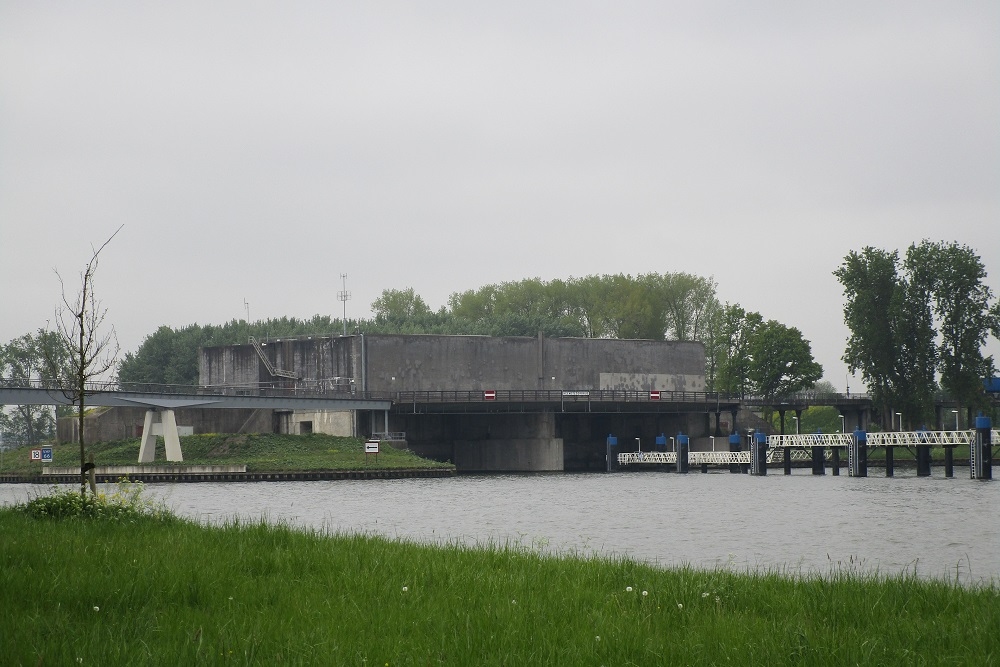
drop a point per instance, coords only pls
(254, 152)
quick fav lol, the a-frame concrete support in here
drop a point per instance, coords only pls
(156, 422)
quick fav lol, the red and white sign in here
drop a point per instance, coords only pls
(654, 395)
(489, 395)
(36, 455)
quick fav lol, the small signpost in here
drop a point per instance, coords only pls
(654, 395)
(46, 455)
(371, 447)
(490, 395)
(36, 454)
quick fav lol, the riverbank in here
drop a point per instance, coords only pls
(266, 457)
(159, 590)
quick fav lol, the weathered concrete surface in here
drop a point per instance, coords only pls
(522, 455)
(388, 363)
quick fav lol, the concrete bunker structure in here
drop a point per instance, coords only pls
(556, 415)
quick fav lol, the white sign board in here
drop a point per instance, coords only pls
(371, 447)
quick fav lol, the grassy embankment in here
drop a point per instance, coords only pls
(260, 453)
(150, 590)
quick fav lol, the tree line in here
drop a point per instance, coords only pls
(918, 325)
(746, 354)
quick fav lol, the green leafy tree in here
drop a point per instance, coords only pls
(781, 361)
(871, 286)
(737, 331)
(24, 360)
(955, 278)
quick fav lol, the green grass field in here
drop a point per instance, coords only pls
(131, 589)
(260, 453)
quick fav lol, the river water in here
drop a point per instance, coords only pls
(936, 527)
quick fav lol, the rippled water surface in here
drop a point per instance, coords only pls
(939, 527)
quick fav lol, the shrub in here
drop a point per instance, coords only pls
(123, 504)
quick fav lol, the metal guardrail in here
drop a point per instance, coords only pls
(554, 396)
(879, 439)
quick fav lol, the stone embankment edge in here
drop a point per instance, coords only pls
(299, 476)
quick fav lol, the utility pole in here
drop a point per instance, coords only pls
(343, 295)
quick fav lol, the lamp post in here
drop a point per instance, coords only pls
(673, 444)
(712, 438)
(956, 418)
(796, 425)
(843, 428)
(899, 416)
(639, 442)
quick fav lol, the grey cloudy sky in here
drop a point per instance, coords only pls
(256, 151)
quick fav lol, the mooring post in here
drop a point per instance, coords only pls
(835, 459)
(612, 458)
(981, 450)
(888, 460)
(949, 460)
(923, 455)
(819, 465)
(758, 454)
(683, 445)
(787, 454)
(857, 455)
(734, 446)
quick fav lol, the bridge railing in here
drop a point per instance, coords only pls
(550, 395)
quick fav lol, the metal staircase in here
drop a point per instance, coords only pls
(275, 372)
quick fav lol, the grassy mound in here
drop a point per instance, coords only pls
(260, 453)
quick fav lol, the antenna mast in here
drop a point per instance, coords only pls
(344, 295)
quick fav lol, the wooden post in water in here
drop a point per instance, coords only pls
(612, 458)
(949, 460)
(835, 451)
(787, 451)
(888, 460)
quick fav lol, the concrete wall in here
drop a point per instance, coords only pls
(388, 363)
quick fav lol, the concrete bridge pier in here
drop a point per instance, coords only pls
(527, 444)
(503, 442)
(159, 420)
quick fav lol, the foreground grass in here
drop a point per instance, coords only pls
(150, 590)
(260, 453)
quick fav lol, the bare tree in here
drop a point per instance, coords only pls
(91, 351)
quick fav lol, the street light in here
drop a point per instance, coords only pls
(843, 429)
(639, 442)
(796, 425)
(956, 419)
(673, 444)
(899, 415)
(712, 438)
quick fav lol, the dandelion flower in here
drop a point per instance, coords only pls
(597, 638)
(645, 593)
(628, 589)
(513, 601)
(680, 606)
(406, 588)
(704, 595)
(97, 608)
